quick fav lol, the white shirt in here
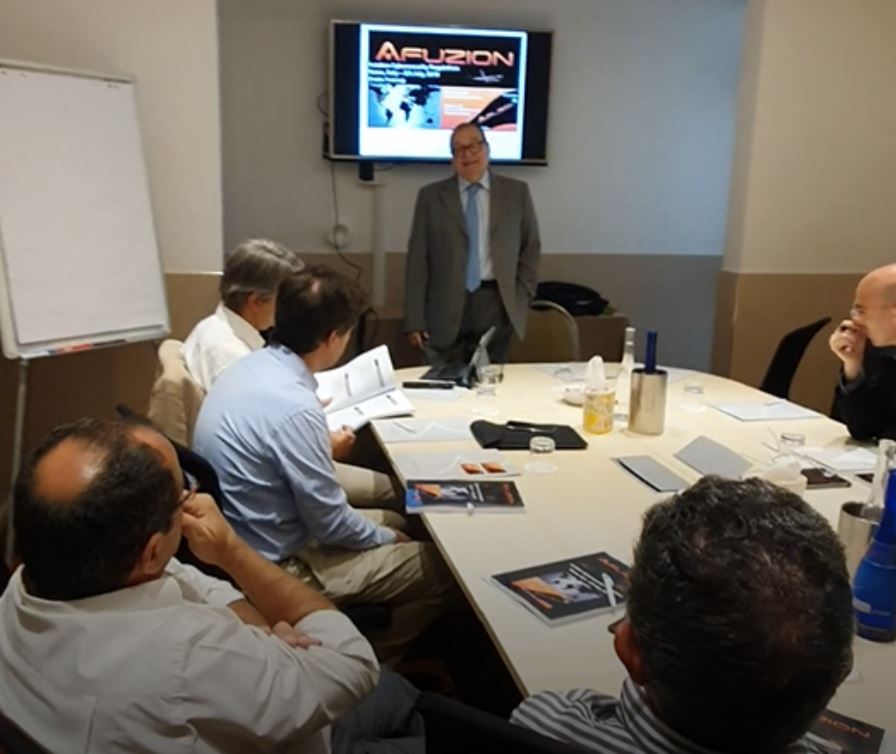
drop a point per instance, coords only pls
(216, 342)
(486, 268)
(166, 667)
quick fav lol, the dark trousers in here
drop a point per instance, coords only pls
(385, 722)
(483, 308)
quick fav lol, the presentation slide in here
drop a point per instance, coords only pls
(417, 83)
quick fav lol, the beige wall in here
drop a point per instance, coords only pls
(171, 48)
(813, 187)
(812, 194)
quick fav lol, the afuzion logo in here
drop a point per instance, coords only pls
(389, 53)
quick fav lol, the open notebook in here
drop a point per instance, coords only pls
(362, 390)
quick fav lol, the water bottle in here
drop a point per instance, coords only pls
(597, 410)
(624, 379)
(874, 586)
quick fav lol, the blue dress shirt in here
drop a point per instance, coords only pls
(263, 429)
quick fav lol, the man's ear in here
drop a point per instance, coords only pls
(152, 560)
(628, 652)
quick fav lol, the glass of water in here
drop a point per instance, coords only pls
(693, 398)
(540, 450)
(487, 390)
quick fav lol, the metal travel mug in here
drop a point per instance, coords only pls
(855, 533)
(647, 409)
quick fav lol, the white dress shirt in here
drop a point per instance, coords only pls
(166, 667)
(486, 268)
(216, 342)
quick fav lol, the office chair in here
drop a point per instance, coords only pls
(176, 397)
(13, 740)
(552, 335)
(5, 575)
(787, 357)
(453, 727)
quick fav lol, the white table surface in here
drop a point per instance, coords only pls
(591, 504)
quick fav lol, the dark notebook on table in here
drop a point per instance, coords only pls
(516, 435)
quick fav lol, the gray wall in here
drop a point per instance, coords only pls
(640, 136)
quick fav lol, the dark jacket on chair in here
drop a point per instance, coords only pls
(868, 405)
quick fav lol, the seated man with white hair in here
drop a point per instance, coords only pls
(252, 273)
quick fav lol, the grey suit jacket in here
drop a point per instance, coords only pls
(435, 269)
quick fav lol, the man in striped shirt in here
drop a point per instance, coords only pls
(738, 633)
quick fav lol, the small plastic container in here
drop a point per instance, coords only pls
(540, 450)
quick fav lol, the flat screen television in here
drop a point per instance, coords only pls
(397, 91)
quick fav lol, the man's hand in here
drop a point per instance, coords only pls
(418, 338)
(210, 536)
(342, 441)
(293, 636)
(848, 344)
(400, 537)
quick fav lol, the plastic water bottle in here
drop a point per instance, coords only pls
(874, 587)
(597, 410)
(624, 379)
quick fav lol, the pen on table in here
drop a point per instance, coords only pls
(609, 586)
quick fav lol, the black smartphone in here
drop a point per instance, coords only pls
(427, 385)
(820, 478)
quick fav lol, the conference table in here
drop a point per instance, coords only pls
(591, 504)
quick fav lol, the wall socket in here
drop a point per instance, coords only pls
(338, 236)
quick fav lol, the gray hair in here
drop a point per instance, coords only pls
(256, 266)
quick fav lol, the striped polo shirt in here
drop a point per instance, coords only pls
(597, 722)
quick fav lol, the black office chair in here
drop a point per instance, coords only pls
(453, 727)
(786, 360)
(5, 574)
(13, 740)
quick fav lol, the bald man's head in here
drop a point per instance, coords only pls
(87, 502)
(874, 309)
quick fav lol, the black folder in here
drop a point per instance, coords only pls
(516, 435)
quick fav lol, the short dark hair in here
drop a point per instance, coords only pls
(89, 544)
(313, 303)
(741, 608)
(255, 266)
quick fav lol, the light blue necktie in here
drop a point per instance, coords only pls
(474, 275)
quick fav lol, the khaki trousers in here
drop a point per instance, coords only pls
(366, 488)
(410, 578)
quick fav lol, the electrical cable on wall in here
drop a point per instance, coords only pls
(339, 233)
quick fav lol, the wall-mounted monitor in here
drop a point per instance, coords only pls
(397, 91)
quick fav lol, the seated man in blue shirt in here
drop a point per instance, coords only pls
(263, 429)
(739, 631)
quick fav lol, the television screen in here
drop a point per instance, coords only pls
(397, 91)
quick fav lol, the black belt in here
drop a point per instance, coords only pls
(488, 284)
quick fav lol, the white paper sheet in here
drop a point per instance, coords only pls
(770, 411)
(393, 403)
(849, 460)
(423, 430)
(439, 466)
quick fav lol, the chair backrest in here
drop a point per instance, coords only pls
(787, 357)
(176, 397)
(5, 574)
(15, 741)
(453, 727)
(551, 335)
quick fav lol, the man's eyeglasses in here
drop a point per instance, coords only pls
(190, 491)
(471, 149)
(861, 311)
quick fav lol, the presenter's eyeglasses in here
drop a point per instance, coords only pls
(471, 149)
